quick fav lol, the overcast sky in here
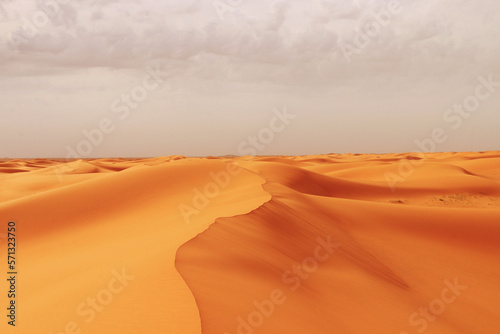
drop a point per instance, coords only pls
(198, 77)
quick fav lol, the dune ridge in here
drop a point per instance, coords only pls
(394, 257)
(80, 233)
(265, 244)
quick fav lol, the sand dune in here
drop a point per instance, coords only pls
(75, 235)
(309, 244)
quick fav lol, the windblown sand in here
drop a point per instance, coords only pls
(395, 243)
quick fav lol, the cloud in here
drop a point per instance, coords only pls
(272, 41)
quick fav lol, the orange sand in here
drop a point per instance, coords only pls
(396, 243)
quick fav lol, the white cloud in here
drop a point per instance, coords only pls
(258, 47)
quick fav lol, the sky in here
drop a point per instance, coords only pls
(87, 78)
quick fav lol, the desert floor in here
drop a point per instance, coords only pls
(352, 243)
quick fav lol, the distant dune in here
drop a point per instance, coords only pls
(393, 243)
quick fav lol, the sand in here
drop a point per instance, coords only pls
(353, 243)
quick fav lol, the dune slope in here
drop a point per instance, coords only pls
(337, 251)
(394, 243)
(96, 249)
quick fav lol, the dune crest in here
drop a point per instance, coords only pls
(397, 252)
(354, 243)
(96, 250)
